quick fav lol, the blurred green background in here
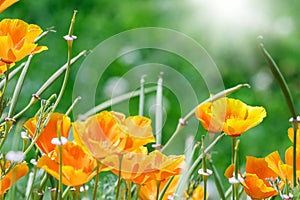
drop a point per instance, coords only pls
(228, 31)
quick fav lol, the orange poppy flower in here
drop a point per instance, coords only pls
(77, 166)
(257, 188)
(108, 133)
(17, 41)
(231, 116)
(148, 190)
(57, 122)
(258, 170)
(6, 3)
(12, 176)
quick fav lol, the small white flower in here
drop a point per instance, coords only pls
(207, 173)
(233, 180)
(15, 156)
(56, 141)
(287, 197)
(33, 161)
(68, 37)
(24, 135)
(84, 188)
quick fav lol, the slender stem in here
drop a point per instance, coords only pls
(114, 101)
(66, 192)
(138, 189)
(295, 129)
(204, 169)
(54, 77)
(12, 73)
(164, 190)
(232, 149)
(288, 98)
(200, 157)
(60, 188)
(96, 181)
(70, 44)
(43, 183)
(8, 123)
(217, 179)
(159, 112)
(183, 121)
(157, 189)
(142, 96)
(119, 176)
(18, 88)
(129, 184)
(72, 106)
(280, 79)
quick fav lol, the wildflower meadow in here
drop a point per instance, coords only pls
(153, 138)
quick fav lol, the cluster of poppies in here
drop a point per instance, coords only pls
(75, 152)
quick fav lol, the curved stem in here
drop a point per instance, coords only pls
(70, 44)
(288, 98)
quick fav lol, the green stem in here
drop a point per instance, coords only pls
(200, 157)
(119, 177)
(164, 190)
(18, 88)
(157, 189)
(129, 184)
(8, 123)
(232, 149)
(66, 192)
(183, 121)
(72, 106)
(60, 187)
(142, 96)
(295, 129)
(138, 189)
(12, 73)
(115, 100)
(217, 179)
(70, 44)
(288, 98)
(96, 181)
(204, 168)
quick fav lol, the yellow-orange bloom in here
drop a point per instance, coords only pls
(258, 170)
(77, 166)
(12, 176)
(108, 133)
(257, 188)
(229, 115)
(57, 122)
(6, 3)
(17, 41)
